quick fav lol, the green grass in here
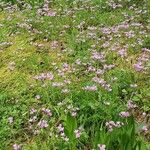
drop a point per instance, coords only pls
(26, 51)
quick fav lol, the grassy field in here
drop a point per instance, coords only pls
(75, 75)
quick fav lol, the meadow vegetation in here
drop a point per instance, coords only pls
(74, 74)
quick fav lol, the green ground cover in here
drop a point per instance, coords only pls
(75, 75)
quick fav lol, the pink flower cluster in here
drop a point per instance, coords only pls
(139, 66)
(44, 76)
(78, 132)
(122, 52)
(131, 105)
(54, 44)
(72, 110)
(16, 147)
(124, 114)
(111, 125)
(47, 111)
(146, 50)
(37, 97)
(32, 111)
(68, 108)
(102, 146)
(61, 132)
(90, 88)
(113, 4)
(43, 124)
(103, 83)
(98, 56)
(108, 67)
(45, 10)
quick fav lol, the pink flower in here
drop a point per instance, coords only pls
(102, 146)
(16, 147)
(122, 52)
(90, 88)
(47, 111)
(51, 13)
(37, 97)
(111, 125)
(77, 133)
(99, 71)
(130, 104)
(43, 124)
(78, 62)
(98, 56)
(124, 114)
(65, 91)
(138, 67)
(73, 114)
(49, 76)
(32, 111)
(60, 128)
(44, 76)
(54, 44)
(146, 50)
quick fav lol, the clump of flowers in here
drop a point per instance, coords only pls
(103, 83)
(138, 66)
(78, 132)
(124, 114)
(146, 50)
(111, 125)
(108, 67)
(61, 132)
(102, 146)
(143, 58)
(45, 10)
(131, 105)
(32, 111)
(90, 88)
(72, 110)
(16, 147)
(122, 52)
(98, 56)
(43, 124)
(57, 84)
(44, 76)
(67, 107)
(47, 111)
(37, 97)
(54, 44)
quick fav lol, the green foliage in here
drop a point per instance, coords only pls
(33, 45)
